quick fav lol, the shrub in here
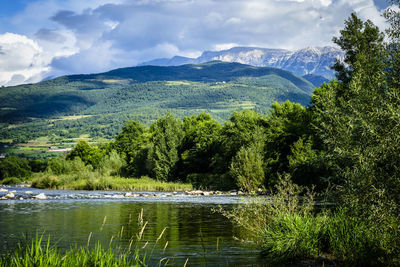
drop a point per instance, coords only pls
(247, 168)
(10, 180)
(47, 181)
(290, 236)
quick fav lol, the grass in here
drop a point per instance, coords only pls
(287, 229)
(38, 253)
(71, 117)
(95, 181)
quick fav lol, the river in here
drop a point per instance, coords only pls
(192, 230)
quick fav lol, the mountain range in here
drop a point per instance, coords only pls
(314, 61)
(101, 103)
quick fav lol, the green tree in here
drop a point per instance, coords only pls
(247, 168)
(360, 128)
(166, 137)
(14, 167)
(287, 123)
(132, 142)
(199, 143)
(393, 47)
(363, 44)
(243, 129)
(87, 153)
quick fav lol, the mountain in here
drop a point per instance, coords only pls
(101, 103)
(310, 60)
(316, 80)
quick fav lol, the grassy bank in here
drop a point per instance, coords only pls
(287, 228)
(97, 181)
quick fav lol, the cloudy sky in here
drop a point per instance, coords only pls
(48, 38)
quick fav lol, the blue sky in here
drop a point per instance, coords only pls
(42, 38)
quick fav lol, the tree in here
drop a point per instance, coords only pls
(287, 123)
(132, 142)
(199, 143)
(162, 157)
(358, 119)
(247, 168)
(393, 47)
(14, 167)
(243, 129)
(88, 154)
(363, 44)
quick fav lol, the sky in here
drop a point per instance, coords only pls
(48, 38)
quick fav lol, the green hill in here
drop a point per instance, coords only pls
(105, 101)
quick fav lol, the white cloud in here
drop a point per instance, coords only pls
(21, 60)
(74, 36)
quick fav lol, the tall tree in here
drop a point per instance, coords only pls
(199, 143)
(166, 137)
(131, 142)
(359, 119)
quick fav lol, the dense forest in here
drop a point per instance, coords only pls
(346, 143)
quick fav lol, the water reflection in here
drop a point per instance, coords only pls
(192, 230)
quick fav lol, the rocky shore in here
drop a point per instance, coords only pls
(21, 192)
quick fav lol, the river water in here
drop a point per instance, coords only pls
(193, 230)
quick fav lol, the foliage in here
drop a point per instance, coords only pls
(10, 180)
(286, 124)
(14, 167)
(88, 154)
(112, 164)
(247, 169)
(307, 164)
(286, 227)
(166, 137)
(244, 129)
(357, 120)
(131, 143)
(199, 143)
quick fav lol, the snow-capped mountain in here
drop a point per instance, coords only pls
(310, 60)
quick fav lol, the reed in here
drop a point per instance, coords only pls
(98, 181)
(287, 229)
(40, 253)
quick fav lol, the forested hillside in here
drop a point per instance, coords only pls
(103, 102)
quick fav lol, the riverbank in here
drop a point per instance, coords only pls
(105, 182)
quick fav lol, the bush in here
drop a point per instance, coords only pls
(247, 169)
(10, 180)
(257, 213)
(285, 226)
(14, 167)
(291, 236)
(47, 181)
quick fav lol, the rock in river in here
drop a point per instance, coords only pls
(40, 196)
(10, 195)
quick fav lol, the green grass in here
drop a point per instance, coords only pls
(39, 253)
(95, 181)
(287, 229)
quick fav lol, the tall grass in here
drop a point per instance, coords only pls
(97, 181)
(43, 254)
(287, 228)
(39, 253)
